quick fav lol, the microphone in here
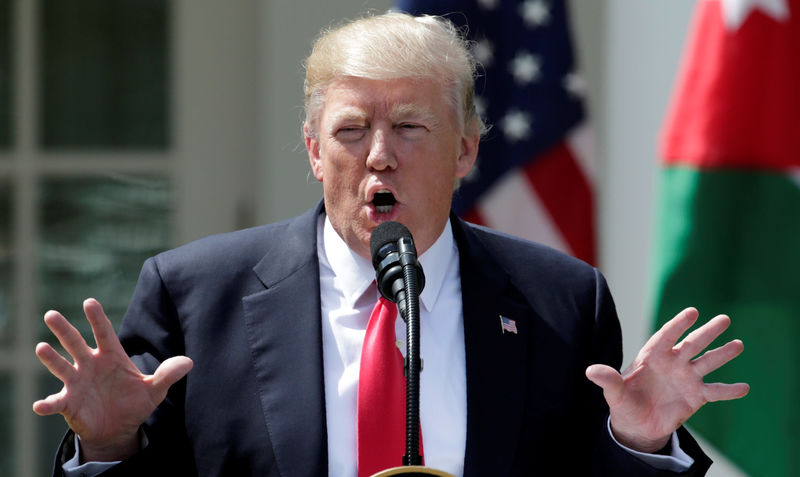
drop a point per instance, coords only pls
(397, 270)
(400, 280)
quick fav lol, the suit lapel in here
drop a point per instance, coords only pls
(285, 338)
(495, 380)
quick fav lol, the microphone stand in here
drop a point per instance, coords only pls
(409, 310)
(413, 363)
(407, 298)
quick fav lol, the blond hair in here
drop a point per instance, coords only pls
(393, 46)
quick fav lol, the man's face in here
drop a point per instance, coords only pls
(388, 150)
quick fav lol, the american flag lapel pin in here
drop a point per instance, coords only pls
(508, 325)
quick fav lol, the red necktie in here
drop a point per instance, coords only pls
(381, 395)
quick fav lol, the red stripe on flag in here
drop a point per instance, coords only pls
(474, 216)
(565, 191)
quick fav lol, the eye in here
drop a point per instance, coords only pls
(411, 129)
(350, 133)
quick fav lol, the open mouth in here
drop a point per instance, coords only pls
(384, 201)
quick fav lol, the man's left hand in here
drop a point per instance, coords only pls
(663, 386)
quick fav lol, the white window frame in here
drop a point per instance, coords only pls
(209, 161)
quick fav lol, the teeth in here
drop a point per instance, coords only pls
(383, 201)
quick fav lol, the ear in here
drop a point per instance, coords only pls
(312, 146)
(468, 154)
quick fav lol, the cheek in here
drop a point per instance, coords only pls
(325, 166)
(435, 189)
(441, 174)
(341, 179)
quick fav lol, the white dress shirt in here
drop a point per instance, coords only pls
(348, 295)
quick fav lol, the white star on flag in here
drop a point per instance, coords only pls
(534, 13)
(484, 52)
(488, 4)
(516, 125)
(525, 68)
(480, 106)
(473, 174)
(574, 83)
(735, 12)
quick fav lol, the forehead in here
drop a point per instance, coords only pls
(359, 97)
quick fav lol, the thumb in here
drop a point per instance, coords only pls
(168, 373)
(607, 378)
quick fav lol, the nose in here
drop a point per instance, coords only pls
(381, 154)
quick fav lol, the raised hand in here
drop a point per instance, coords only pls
(664, 385)
(105, 397)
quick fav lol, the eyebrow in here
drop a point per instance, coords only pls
(413, 111)
(398, 112)
(348, 114)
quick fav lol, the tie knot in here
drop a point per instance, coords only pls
(383, 310)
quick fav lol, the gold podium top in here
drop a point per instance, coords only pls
(412, 471)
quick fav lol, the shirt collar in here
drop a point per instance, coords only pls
(354, 273)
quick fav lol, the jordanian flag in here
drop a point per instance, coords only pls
(729, 234)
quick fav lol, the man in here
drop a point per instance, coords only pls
(271, 320)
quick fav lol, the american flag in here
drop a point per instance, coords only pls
(508, 324)
(534, 177)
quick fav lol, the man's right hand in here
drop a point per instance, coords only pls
(105, 397)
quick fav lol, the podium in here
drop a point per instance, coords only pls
(412, 471)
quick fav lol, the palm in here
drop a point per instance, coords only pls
(664, 385)
(105, 397)
(113, 394)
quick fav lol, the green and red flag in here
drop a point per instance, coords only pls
(728, 238)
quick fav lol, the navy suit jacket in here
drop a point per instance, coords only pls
(245, 307)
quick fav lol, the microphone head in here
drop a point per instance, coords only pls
(385, 233)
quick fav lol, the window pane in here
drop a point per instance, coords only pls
(95, 234)
(5, 260)
(6, 76)
(6, 425)
(51, 428)
(104, 73)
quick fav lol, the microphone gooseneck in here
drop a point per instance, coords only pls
(393, 252)
(400, 279)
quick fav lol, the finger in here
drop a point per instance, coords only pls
(712, 360)
(52, 404)
(725, 392)
(104, 334)
(607, 378)
(168, 373)
(666, 337)
(67, 335)
(54, 362)
(699, 339)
